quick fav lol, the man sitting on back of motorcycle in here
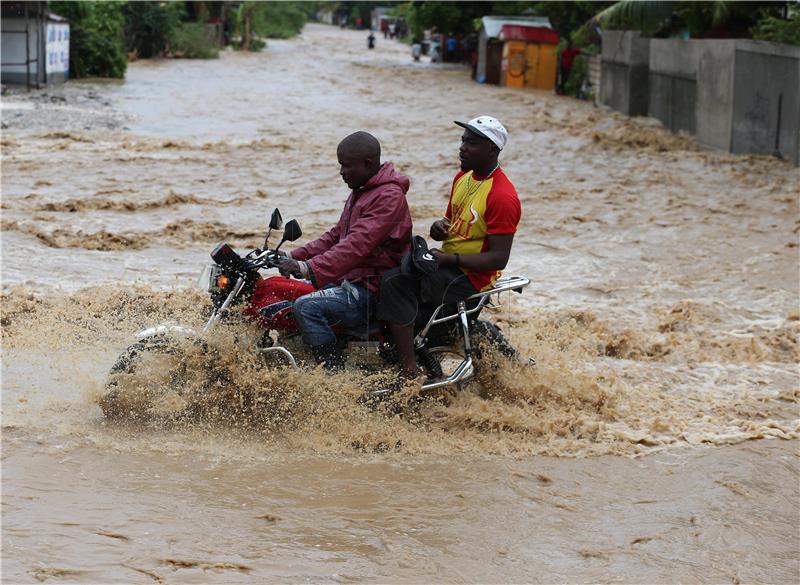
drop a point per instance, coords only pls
(477, 230)
(347, 262)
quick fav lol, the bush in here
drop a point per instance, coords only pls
(148, 26)
(277, 20)
(577, 75)
(256, 45)
(779, 30)
(96, 45)
(191, 40)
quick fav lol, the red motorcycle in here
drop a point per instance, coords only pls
(445, 345)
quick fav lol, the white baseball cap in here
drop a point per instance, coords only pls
(488, 127)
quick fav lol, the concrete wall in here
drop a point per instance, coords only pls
(766, 100)
(624, 80)
(741, 96)
(715, 68)
(672, 92)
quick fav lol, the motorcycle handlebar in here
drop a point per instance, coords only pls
(226, 257)
(262, 259)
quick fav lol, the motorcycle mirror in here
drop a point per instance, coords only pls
(275, 223)
(291, 232)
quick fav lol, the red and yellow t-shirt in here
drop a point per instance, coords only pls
(480, 207)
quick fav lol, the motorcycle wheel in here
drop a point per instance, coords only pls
(489, 333)
(155, 378)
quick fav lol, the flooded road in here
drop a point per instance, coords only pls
(656, 441)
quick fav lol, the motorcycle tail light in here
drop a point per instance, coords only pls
(222, 281)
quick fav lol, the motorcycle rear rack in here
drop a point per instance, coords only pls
(465, 369)
(504, 284)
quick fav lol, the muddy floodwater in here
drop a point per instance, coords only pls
(656, 440)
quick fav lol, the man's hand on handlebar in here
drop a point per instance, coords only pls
(288, 267)
(440, 229)
(276, 257)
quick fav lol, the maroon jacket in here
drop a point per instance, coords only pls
(372, 235)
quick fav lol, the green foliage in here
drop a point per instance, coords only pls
(256, 45)
(360, 9)
(718, 18)
(278, 20)
(447, 17)
(148, 26)
(177, 12)
(629, 14)
(578, 73)
(568, 17)
(462, 18)
(153, 29)
(96, 46)
(191, 40)
(779, 30)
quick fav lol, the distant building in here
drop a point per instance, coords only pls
(326, 15)
(35, 45)
(380, 13)
(504, 54)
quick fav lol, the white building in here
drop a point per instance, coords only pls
(35, 45)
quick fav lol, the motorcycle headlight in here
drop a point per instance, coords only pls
(209, 278)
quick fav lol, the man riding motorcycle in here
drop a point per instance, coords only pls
(477, 230)
(347, 262)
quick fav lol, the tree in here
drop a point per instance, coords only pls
(271, 19)
(567, 17)
(448, 17)
(779, 30)
(147, 28)
(96, 45)
(720, 18)
(462, 18)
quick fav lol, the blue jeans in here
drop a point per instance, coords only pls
(349, 307)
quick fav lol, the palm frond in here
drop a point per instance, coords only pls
(637, 13)
(722, 10)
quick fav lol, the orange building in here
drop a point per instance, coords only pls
(517, 51)
(530, 58)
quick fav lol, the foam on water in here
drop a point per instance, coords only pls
(585, 396)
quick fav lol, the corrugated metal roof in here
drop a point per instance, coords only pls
(493, 24)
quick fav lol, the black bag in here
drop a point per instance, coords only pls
(419, 260)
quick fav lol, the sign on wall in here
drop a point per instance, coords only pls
(57, 48)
